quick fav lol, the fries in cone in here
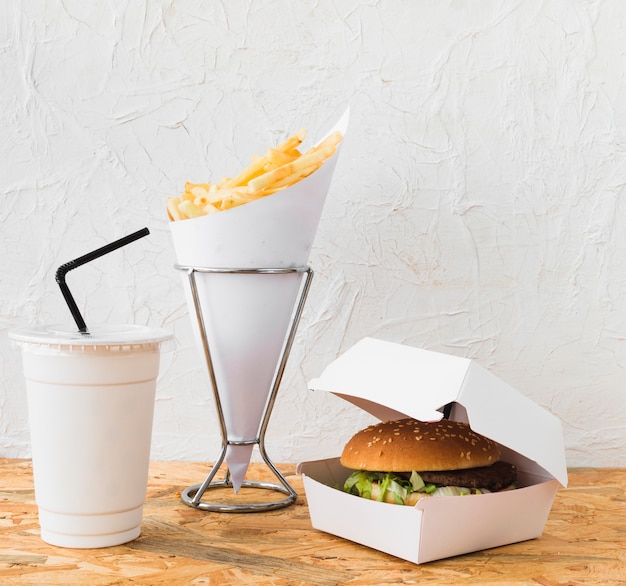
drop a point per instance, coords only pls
(265, 217)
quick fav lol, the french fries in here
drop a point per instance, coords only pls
(278, 168)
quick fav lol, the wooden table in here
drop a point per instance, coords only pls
(584, 542)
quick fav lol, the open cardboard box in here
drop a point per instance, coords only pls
(392, 381)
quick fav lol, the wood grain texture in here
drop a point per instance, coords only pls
(584, 542)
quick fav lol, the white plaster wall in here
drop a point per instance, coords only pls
(478, 208)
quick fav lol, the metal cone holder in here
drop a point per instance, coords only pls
(192, 496)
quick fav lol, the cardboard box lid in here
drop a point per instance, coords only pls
(390, 380)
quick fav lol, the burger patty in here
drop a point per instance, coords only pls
(494, 477)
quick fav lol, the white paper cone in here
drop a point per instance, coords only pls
(247, 316)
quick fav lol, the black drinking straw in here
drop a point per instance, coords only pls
(68, 266)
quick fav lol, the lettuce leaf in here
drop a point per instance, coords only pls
(360, 483)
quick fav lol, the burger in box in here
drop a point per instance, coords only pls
(410, 387)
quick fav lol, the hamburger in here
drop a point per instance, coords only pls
(405, 460)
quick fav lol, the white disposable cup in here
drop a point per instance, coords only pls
(91, 406)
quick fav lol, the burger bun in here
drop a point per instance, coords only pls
(409, 444)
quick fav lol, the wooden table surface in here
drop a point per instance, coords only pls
(584, 542)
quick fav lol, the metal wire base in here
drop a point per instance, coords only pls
(192, 496)
(190, 493)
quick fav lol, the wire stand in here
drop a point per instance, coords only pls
(192, 496)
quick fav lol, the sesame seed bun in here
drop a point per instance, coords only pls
(409, 444)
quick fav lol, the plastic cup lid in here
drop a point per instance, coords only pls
(105, 335)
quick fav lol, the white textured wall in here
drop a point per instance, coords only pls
(478, 208)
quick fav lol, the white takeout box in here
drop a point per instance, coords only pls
(391, 381)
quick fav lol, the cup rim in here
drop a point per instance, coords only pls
(101, 335)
